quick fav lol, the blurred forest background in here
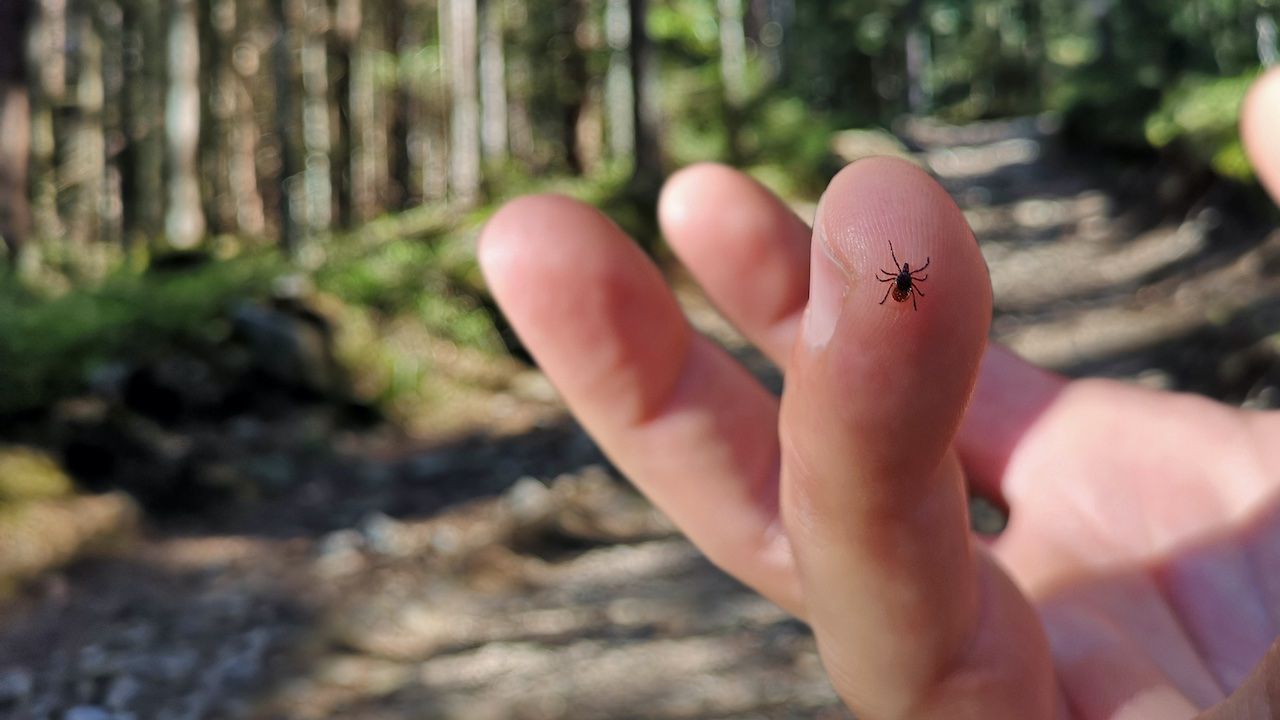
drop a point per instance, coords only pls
(240, 310)
(353, 138)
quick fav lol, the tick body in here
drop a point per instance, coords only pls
(905, 283)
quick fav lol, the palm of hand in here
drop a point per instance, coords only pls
(1144, 527)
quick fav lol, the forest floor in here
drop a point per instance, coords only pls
(499, 568)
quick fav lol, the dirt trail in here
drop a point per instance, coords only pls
(510, 574)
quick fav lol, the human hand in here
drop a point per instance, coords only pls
(1139, 575)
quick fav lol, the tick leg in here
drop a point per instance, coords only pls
(918, 279)
(916, 289)
(926, 265)
(886, 279)
(895, 255)
(914, 306)
(886, 295)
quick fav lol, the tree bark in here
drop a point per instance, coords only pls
(572, 91)
(348, 16)
(288, 125)
(733, 71)
(243, 72)
(772, 21)
(464, 135)
(15, 128)
(84, 163)
(368, 153)
(493, 81)
(111, 29)
(917, 56)
(647, 175)
(184, 221)
(733, 53)
(316, 128)
(142, 158)
(50, 76)
(618, 94)
(520, 113)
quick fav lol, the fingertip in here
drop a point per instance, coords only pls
(745, 247)
(525, 225)
(908, 361)
(678, 201)
(1259, 117)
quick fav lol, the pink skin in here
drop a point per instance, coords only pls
(1140, 573)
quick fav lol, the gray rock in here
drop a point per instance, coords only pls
(340, 553)
(15, 686)
(385, 535)
(530, 501)
(123, 692)
(176, 665)
(88, 712)
(96, 661)
(289, 348)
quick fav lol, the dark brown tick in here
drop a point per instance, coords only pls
(905, 283)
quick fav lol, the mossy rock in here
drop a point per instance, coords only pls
(27, 474)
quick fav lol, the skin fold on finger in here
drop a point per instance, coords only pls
(688, 425)
(873, 495)
(750, 253)
(1259, 118)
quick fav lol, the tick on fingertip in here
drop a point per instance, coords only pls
(905, 283)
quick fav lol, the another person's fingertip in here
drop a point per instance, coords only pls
(1259, 117)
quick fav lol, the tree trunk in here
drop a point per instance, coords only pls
(368, 151)
(572, 91)
(51, 48)
(243, 72)
(348, 17)
(1268, 52)
(85, 160)
(733, 53)
(772, 22)
(733, 71)
(316, 128)
(15, 128)
(111, 29)
(520, 115)
(141, 160)
(217, 37)
(493, 81)
(288, 124)
(647, 175)
(421, 99)
(184, 221)
(464, 135)
(618, 94)
(918, 59)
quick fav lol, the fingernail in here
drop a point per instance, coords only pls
(828, 286)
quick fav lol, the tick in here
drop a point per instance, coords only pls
(905, 283)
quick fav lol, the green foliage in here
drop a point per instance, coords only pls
(1202, 114)
(688, 27)
(1126, 76)
(791, 145)
(433, 279)
(49, 347)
